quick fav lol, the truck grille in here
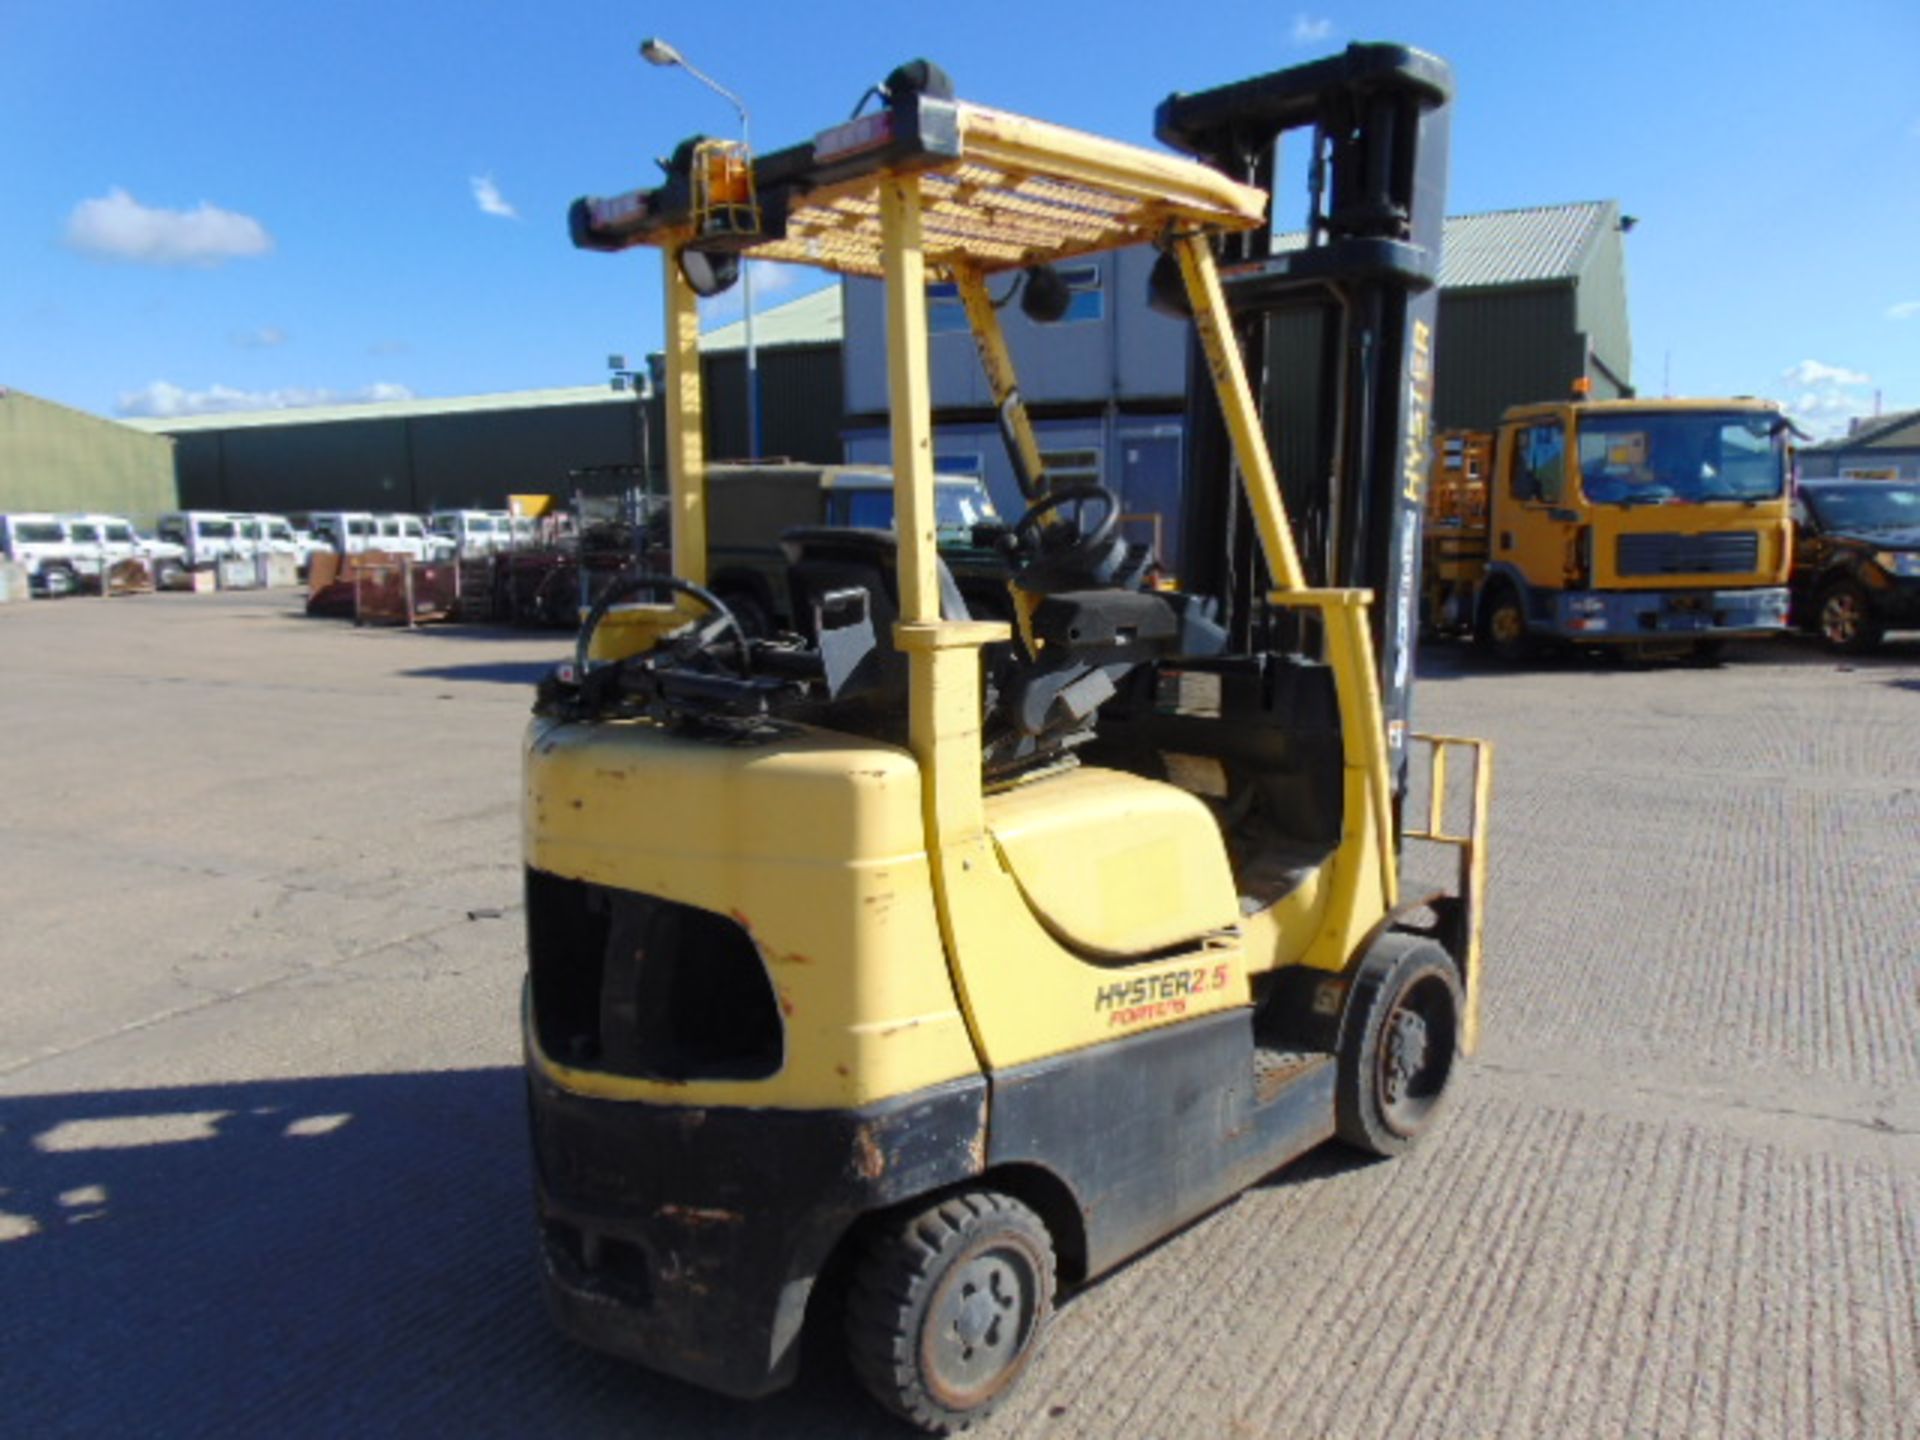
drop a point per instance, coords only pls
(634, 985)
(1718, 552)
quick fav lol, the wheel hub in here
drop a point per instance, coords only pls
(1842, 618)
(1406, 1054)
(980, 1327)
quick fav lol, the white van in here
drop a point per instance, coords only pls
(40, 544)
(407, 535)
(206, 536)
(275, 535)
(120, 540)
(474, 532)
(345, 532)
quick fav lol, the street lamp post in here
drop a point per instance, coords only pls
(656, 51)
(641, 384)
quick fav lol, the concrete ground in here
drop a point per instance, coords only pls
(263, 1163)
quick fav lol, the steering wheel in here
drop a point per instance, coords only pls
(1086, 545)
(633, 582)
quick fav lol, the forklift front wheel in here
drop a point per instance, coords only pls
(947, 1306)
(1398, 1044)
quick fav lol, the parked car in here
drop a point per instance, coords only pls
(751, 507)
(205, 537)
(120, 540)
(346, 532)
(397, 534)
(1856, 560)
(276, 535)
(474, 532)
(40, 544)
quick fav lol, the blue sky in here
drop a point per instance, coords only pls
(215, 203)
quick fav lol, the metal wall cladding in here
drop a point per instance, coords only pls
(1602, 299)
(54, 458)
(418, 463)
(1502, 347)
(800, 403)
(1716, 552)
(1111, 346)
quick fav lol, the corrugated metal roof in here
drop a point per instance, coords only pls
(1521, 247)
(1511, 247)
(812, 319)
(1899, 430)
(384, 409)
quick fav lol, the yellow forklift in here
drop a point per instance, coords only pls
(961, 957)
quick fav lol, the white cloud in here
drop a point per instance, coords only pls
(1311, 29)
(1905, 310)
(487, 196)
(1824, 397)
(1813, 372)
(163, 400)
(267, 337)
(116, 226)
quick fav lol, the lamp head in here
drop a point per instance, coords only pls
(656, 51)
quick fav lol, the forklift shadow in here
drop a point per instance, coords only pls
(324, 1256)
(505, 672)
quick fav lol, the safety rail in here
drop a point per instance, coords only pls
(1472, 846)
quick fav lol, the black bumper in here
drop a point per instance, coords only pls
(688, 1239)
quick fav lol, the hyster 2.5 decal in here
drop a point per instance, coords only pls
(1158, 996)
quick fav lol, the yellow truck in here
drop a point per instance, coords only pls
(1660, 525)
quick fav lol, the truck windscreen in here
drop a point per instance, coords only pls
(1682, 458)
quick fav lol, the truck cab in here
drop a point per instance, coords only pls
(1661, 525)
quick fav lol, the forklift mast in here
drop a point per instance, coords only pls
(1368, 259)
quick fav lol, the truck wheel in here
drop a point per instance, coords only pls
(1502, 631)
(58, 580)
(948, 1305)
(1398, 1044)
(1847, 621)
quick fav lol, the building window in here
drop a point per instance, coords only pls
(973, 464)
(1086, 298)
(945, 312)
(1070, 467)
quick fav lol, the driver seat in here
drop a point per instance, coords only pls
(825, 561)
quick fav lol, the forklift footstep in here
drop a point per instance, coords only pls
(1274, 1070)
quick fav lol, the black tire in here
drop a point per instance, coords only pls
(1502, 628)
(1399, 1044)
(59, 579)
(1846, 619)
(169, 575)
(947, 1307)
(1706, 653)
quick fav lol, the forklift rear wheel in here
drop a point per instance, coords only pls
(1398, 1044)
(947, 1307)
